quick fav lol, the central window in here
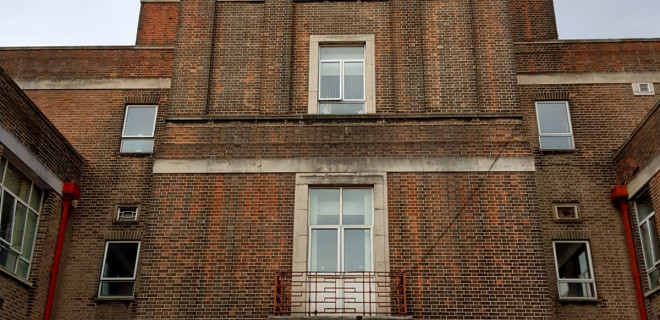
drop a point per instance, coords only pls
(341, 229)
(341, 80)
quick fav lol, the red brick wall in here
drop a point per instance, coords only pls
(157, 24)
(642, 147)
(533, 20)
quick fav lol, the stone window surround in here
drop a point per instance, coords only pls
(315, 41)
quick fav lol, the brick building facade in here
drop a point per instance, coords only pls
(423, 159)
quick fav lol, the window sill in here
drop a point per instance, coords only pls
(116, 299)
(558, 151)
(135, 154)
(651, 292)
(579, 300)
(16, 278)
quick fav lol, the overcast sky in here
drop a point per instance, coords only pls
(114, 22)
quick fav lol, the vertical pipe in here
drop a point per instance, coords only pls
(619, 196)
(70, 192)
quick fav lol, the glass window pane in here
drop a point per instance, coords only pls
(19, 224)
(357, 250)
(7, 216)
(17, 183)
(341, 108)
(324, 206)
(654, 240)
(342, 53)
(576, 290)
(646, 244)
(356, 206)
(137, 145)
(7, 259)
(116, 289)
(556, 143)
(35, 198)
(553, 117)
(572, 260)
(643, 205)
(120, 260)
(29, 235)
(324, 250)
(654, 278)
(22, 268)
(140, 121)
(329, 86)
(354, 80)
(3, 163)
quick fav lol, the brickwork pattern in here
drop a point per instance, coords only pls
(157, 24)
(642, 147)
(532, 20)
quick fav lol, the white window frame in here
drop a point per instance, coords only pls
(318, 41)
(342, 62)
(138, 137)
(340, 229)
(7, 245)
(556, 207)
(592, 280)
(570, 125)
(656, 260)
(122, 279)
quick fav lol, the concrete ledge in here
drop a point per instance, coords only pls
(587, 78)
(643, 177)
(95, 84)
(347, 165)
(330, 317)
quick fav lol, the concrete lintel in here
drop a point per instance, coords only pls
(44, 176)
(587, 78)
(95, 84)
(643, 177)
(348, 165)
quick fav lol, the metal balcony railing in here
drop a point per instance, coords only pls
(339, 293)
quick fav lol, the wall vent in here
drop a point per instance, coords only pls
(566, 211)
(127, 213)
(643, 88)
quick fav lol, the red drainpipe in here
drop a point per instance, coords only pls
(619, 196)
(70, 192)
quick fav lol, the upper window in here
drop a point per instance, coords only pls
(119, 269)
(341, 75)
(139, 127)
(554, 120)
(575, 276)
(648, 232)
(19, 213)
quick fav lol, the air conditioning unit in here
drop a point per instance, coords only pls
(127, 214)
(643, 89)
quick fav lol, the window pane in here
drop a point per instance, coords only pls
(17, 183)
(643, 206)
(654, 278)
(357, 250)
(576, 290)
(19, 224)
(30, 233)
(6, 216)
(3, 163)
(553, 117)
(117, 289)
(356, 206)
(654, 240)
(35, 198)
(22, 268)
(556, 143)
(137, 145)
(7, 259)
(329, 87)
(353, 80)
(324, 206)
(120, 260)
(342, 53)
(646, 244)
(324, 250)
(572, 261)
(139, 121)
(341, 108)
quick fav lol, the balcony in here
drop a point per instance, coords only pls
(341, 294)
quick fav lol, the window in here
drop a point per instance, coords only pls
(648, 233)
(20, 204)
(575, 276)
(341, 75)
(119, 269)
(139, 126)
(554, 120)
(340, 228)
